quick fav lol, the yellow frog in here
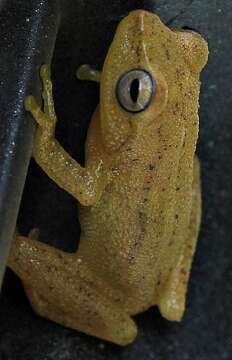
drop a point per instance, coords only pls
(139, 191)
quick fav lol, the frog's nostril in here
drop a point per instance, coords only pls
(134, 90)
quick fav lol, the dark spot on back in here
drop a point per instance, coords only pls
(151, 167)
(183, 271)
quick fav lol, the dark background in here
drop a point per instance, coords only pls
(86, 30)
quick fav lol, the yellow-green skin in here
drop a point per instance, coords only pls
(139, 191)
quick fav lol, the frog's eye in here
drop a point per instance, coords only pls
(135, 89)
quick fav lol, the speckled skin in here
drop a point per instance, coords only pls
(139, 191)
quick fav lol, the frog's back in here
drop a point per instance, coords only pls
(126, 235)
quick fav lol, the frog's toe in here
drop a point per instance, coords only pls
(172, 307)
(45, 72)
(125, 333)
(33, 107)
(34, 234)
(30, 103)
(85, 72)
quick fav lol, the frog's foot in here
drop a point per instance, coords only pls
(61, 288)
(46, 118)
(85, 72)
(172, 301)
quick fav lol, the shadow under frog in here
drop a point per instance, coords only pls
(139, 191)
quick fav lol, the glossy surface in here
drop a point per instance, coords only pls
(35, 36)
(135, 90)
(140, 216)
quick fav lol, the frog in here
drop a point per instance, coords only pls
(139, 191)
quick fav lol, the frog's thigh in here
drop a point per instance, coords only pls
(59, 291)
(172, 301)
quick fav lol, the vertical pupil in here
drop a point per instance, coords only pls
(134, 90)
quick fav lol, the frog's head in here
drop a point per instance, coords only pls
(144, 71)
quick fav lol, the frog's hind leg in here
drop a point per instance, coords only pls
(172, 300)
(61, 288)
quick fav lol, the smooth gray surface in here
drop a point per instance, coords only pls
(27, 38)
(206, 331)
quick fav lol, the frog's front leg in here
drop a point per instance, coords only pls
(172, 300)
(85, 184)
(61, 288)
